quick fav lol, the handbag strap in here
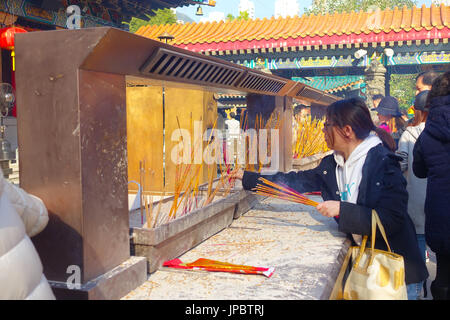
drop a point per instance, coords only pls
(376, 221)
(361, 251)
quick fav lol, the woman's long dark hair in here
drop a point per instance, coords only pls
(400, 123)
(419, 117)
(354, 112)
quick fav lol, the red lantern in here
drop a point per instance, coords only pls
(7, 41)
(7, 37)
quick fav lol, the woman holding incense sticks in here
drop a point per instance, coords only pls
(362, 174)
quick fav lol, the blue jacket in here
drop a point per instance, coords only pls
(432, 160)
(382, 188)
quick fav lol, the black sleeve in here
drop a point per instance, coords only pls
(419, 167)
(302, 181)
(390, 205)
(354, 218)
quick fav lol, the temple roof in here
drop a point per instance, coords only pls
(95, 12)
(310, 30)
(331, 84)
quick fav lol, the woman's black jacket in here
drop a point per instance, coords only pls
(382, 188)
(432, 161)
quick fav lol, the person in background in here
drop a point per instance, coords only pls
(425, 80)
(390, 117)
(363, 174)
(432, 161)
(416, 187)
(220, 122)
(232, 125)
(233, 130)
(376, 99)
(22, 216)
(220, 125)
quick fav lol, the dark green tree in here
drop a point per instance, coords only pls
(403, 87)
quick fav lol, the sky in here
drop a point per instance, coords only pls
(263, 8)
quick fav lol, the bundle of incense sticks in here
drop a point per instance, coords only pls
(309, 138)
(273, 122)
(271, 189)
(187, 193)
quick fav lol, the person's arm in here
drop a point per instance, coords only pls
(30, 208)
(302, 181)
(419, 167)
(391, 206)
(402, 151)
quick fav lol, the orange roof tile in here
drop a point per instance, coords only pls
(348, 27)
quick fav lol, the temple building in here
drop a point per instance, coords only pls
(347, 54)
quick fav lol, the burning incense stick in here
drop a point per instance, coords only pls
(159, 208)
(184, 178)
(149, 211)
(141, 191)
(271, 189)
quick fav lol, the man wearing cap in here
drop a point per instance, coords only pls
(390, 117)
(416, 187)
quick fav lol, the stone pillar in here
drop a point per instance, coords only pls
(375, 77)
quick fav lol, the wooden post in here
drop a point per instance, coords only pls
(286, 132)
(267, 105)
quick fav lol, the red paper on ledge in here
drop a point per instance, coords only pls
(213, 265)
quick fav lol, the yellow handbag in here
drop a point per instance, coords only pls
(374, 274)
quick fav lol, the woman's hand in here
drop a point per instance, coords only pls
(329, 208)
(239, 174)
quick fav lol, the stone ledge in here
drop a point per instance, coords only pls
(304, 247)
